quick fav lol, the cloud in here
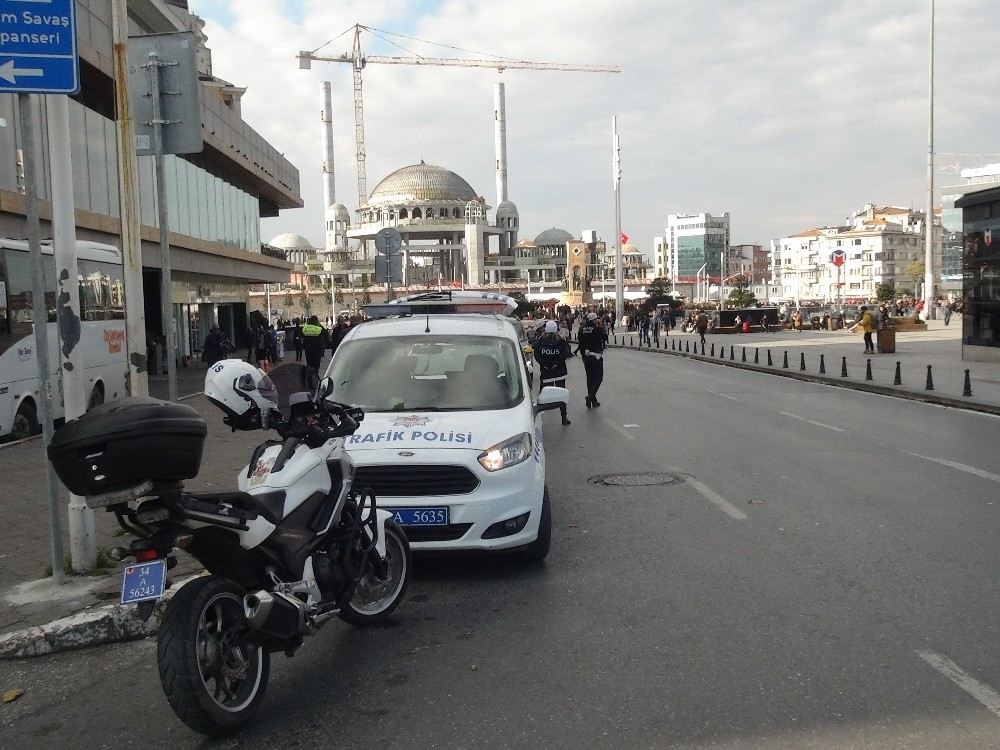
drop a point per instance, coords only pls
(774, 111)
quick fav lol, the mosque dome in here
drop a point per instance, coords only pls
(339, 211)
(291, 241)
(421, 182)
(553, 237)
(506, 209)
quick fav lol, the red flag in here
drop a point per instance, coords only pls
(624, 238)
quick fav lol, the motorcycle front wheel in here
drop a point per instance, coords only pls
(375, 598)
(213, 676)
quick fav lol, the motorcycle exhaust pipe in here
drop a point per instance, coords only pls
(276, 615)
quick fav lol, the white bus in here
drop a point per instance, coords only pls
(102, 335)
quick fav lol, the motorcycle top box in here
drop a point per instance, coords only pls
(125, 443)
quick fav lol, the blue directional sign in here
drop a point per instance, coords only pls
(38, 47)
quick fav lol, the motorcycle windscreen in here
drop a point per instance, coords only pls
(290, 378)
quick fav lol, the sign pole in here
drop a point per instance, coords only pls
(616, 170)
(166, 296)
(82, 539)
(128, 191)
(39, 315)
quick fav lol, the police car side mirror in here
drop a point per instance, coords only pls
(325, 389)
(551, 397)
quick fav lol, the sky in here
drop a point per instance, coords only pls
(788, 114)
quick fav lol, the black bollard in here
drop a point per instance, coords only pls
(722, 352)
(967, 390)
(769, 362)
(713, 348)
(784, 363)
(687, 347)
(616, 339)
(898, 380)
(868, 370)
(843, 367)
(756, 356)
(672, 347)
(732, 353)
(822, 365)
(744, 357)
(802, 361)
(930, 380)
(703, 348)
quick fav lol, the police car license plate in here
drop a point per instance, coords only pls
(143, 581)
(420, 516)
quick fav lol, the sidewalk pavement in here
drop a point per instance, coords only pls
(25, 556)
(939, 347)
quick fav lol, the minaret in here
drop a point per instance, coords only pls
(500, 140)
(329, 187)
(506, 214)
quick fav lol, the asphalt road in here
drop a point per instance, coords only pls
(818, 574)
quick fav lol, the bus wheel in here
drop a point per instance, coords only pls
(25, 421)
(96, 397)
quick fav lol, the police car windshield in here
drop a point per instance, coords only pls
(428, 373)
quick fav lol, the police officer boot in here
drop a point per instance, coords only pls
(565, 420)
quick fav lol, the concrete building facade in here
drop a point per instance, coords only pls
(879, 245)
(692, 241)
(214, 198)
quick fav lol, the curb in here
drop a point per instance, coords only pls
(881, 390)
(110, 623)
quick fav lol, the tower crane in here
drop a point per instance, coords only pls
(358, 60)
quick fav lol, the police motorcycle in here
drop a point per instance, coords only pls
(294, 547)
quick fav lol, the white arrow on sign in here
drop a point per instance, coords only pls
(9, 73)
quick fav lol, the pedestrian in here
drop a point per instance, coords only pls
(701, 325)
(314, 343)
(593, 339)
(867, 325)
(551, 353)
(338, 333)
(297, 339)
(947, 313)
(213, 349)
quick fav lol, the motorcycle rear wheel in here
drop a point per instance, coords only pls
(213, 677)
(375, 599)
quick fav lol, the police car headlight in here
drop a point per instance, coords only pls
(508, 453)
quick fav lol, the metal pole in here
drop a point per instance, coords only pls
(82, 541)
(166, 296)
(39, 314)
(722, 280)
(137, 383)
(617, 172)
(929, 249)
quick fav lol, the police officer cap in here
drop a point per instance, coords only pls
(551, 327)
(592, 316)
(539, 323)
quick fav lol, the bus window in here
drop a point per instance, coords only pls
(19, 290)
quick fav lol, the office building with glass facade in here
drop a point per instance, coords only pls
(696, 240)
(214, 199)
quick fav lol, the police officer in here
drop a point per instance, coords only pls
(551, 353)
(593, 339)
(313, 342)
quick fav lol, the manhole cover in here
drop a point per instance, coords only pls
(638, 479)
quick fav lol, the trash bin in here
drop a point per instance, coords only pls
(885, 340)
(835, 324)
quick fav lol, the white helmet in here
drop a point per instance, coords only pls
(243, 392)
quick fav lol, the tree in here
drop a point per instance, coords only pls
(740, 295)
(885, 292)
(915, 271)
(656, 294)
(338, 294)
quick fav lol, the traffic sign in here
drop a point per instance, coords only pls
(388, 241)
(837, 257)
(38, 47)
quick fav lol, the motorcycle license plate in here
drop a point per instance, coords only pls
(420, 516)
(143, 581)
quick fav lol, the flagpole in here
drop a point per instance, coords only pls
(617, 175)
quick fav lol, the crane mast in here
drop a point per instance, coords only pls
(358, 61)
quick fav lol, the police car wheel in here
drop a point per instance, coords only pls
(538, 549)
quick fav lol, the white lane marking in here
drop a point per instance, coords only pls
(818, 424)
(629, 425)
(713, 497)
(956, 465)
(982, 693)
(619, 428)
(722, 395)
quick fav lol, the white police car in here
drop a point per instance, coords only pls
(452, 441)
